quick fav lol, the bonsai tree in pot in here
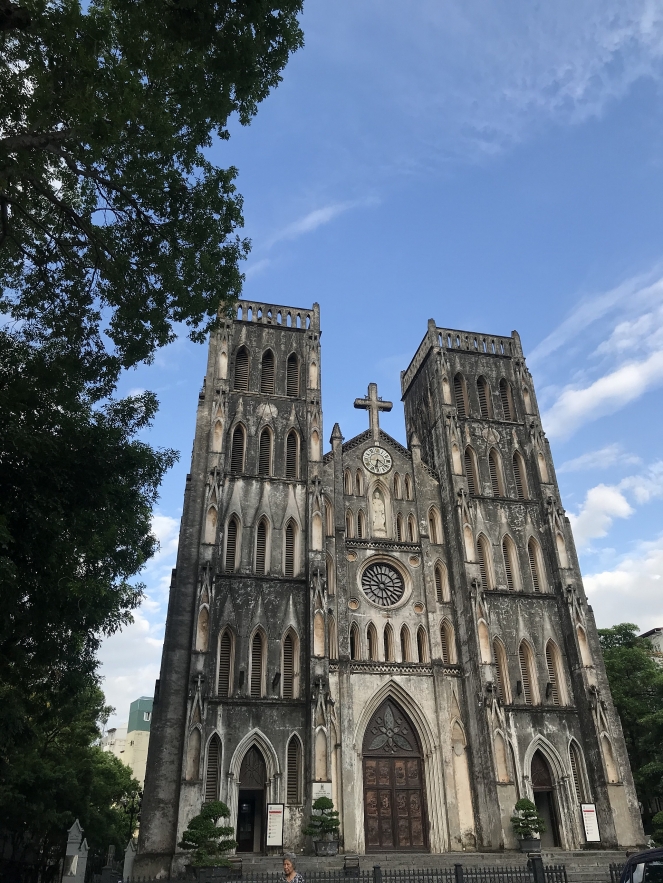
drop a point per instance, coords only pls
(323, 827)
(526, 823)
(208, 841)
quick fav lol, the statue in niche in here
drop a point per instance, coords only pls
(379, 516)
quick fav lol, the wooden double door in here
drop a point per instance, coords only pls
(394, 798)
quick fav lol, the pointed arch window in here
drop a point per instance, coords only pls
(226, 654)
(347, 483)
(329, 519)
(292, 376)
(411, 529)
(528, 683)
(359, 483)
(361, 525)
(485, 401)
(290, 562)
(471, 472)
(355, 647)
(237, 449)
(232, 547)
(483, 554)
(372, 639)
(501, 678)
(441, 583)
(507, 399)
(543, 469)
(333, 637)
(434, 526)
(292, 455)
(448, 642)
(265, 453)
(422, 645)
(510, 564)
(388, 640)
(408, 488)
(290, 666)
(294, 771)
(242, 369)
(555, 691)
(576, 772)
(267, 373)
(520, 477)
(262, 534)
(398, 487)
(331, 576)
(406, 648)
(495, 469)
(202, 630)
(349, 524)
(534, 555)
(257, 679)
(400, 535)
(583, 644)
(213, 775)
(460, 396)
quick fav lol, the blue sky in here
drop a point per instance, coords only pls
(491, 165)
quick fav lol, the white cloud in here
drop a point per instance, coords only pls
(602, 505)
(631, 592)
(314, 219)
(577, 406)
(610, 455)
(257, 267)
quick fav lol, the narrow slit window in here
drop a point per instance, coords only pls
(267, 373)
(292, 376)
(483, 391)
(535, 570)
(499, 657)
(361, 525)
(290, 540)
(242, 369)
(257, 654)
(293, 771)
(574, 755)
(372, 637)
(237, 452)
(212, 778)
(495, 473)
(446, 638)
(406, 655)
(354, 642)
(288, 674)
(231, 546)
(459, 395)
(261, 548)
(507, 402)
(524, 657)
(225, 664)
(440, 584)
(470, 472)
(292, 455)
(508, 551)
(265, 453)
(422, 644)
(519, 476)
(483, 553)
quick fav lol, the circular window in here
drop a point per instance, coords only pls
(382, 584)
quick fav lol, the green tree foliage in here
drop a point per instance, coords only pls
(56, 776)
(114, 225)
(527, 820)
(636, 684)
(209, 841)
(324, 820)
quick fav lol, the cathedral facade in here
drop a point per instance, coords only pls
(404, 630)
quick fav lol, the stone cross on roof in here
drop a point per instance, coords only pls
(373, 404)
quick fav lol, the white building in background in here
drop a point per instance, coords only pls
(129, 741)
(655, 636)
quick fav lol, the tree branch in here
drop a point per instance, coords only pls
(33, 139)
(13, 17)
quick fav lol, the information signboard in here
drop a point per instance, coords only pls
(321, 789)
(591, 822)
(275, 824)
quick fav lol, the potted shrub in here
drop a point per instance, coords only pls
(323, 827)
(209, 842)
(526, 823)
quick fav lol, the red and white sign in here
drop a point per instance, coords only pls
(275, 824)
(590, 822)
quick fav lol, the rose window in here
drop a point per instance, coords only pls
(383, 584)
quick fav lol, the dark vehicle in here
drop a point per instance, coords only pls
(644, 867)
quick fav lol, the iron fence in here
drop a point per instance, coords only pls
(616, 869)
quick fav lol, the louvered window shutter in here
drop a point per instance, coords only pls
(292, 376)
(354, 643)
(411, 529)
(256, 666)
(494, 476)
(444, 637)
(507, 564)
(360, 525)
(483, 564)
(405, 646)
(499, 671)
(290, 549)
(237, 454)
(231, 546)
(265, 455)
(422, 645)
(575, 769)
(469, 473)
(288, 667)
(439, 588)
(225, 651)
(261, 549)
(525, 674)
(552, 675)
(483, 398)
(291, 456)
(506, 401)
(534, 566)
(387, 648)
(267, 374)
(399, 529)
(517, 474)
(293, 771)
(458, 394)
(432, 527)
(242, 370)
(212, 778)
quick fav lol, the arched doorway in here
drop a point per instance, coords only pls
(251, 801)
(544, 799)
(394, 798)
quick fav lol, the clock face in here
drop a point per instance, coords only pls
(377, 460)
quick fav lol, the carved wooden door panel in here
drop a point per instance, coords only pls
(394, 797)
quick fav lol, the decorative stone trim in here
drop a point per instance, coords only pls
(366, 666)
(383, 545)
